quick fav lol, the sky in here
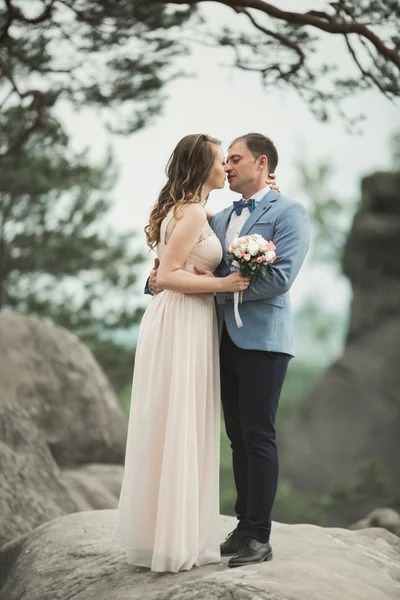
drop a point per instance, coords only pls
(224, 102)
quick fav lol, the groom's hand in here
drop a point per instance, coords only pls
(156, 289)
(203, 272)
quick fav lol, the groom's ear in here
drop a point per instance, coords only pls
(262, 161)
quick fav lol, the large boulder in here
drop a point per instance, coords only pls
(32, 490)
(46, 370)
(94, 486)
(75, 557)
(351, 416)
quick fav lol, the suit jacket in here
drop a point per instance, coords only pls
(265, 311)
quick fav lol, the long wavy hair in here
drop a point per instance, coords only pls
(188, 169)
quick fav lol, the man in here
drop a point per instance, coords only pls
(254, 358)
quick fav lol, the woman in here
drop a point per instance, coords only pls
(168, 514)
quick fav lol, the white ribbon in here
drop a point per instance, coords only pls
(236, 309)
(235, 266)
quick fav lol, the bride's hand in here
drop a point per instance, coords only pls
(271, 181)
(235, 282)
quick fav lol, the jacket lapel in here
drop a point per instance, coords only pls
(262, 207)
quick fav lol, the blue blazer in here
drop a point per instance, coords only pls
(265, 311)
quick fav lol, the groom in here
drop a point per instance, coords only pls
(254, 358)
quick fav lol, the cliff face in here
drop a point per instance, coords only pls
(352, 414)
(372, 257)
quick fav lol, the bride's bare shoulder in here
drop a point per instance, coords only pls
(193, 211)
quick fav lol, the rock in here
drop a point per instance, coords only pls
(46, 370)
(32, 490)
(380, 517)
(94, 486)
(351, 416)
(74, 557)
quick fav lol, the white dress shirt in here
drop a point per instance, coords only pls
(236, 222)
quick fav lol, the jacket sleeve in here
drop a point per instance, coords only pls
(147, 288)
(292, 239)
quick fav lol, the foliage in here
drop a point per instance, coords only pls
(118, 56)
(282, 46)
(116, 360)
(58, 258)
(395, 150)
(342, 505)
(329, 214)
(113, 55)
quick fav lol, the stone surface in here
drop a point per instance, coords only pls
(94, 486)
(32, 490)
(46, 370)
(351, 416)
(73, 557)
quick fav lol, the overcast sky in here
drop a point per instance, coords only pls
(225, 103)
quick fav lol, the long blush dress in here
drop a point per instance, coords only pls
(167, 517)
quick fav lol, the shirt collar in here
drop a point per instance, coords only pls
(261, 193)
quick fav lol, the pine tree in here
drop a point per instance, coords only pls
(58, 258)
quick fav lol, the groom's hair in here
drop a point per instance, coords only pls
(260, 145)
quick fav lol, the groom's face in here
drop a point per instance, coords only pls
(241, 167)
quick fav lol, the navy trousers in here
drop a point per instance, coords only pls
(251, 383)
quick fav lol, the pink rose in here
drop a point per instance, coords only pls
(259, 260)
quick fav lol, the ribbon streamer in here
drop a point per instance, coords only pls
(235, 266)
(236, 309)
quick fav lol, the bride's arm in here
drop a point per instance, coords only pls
(185, 235)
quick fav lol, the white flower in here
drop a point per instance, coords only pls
(243, 248)
(260, 240)
(236, 251)
(253, 247)
(269, 255)
(246, 257)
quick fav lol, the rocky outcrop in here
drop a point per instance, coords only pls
(32, 489)
(75, 557)
(380, 517)
(57, 413)
(46, 370)
(94, 486)
(351, 417)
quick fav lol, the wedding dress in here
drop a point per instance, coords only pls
(167, 517)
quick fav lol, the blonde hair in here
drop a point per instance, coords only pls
(188, 169)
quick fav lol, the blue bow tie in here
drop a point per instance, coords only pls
(239, 205)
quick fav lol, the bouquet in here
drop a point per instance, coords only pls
(250, 255)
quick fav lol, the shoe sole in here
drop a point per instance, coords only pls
(254, 562)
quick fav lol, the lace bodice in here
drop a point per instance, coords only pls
(207, 253)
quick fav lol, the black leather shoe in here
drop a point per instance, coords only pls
(251, 551)
(233, 542)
